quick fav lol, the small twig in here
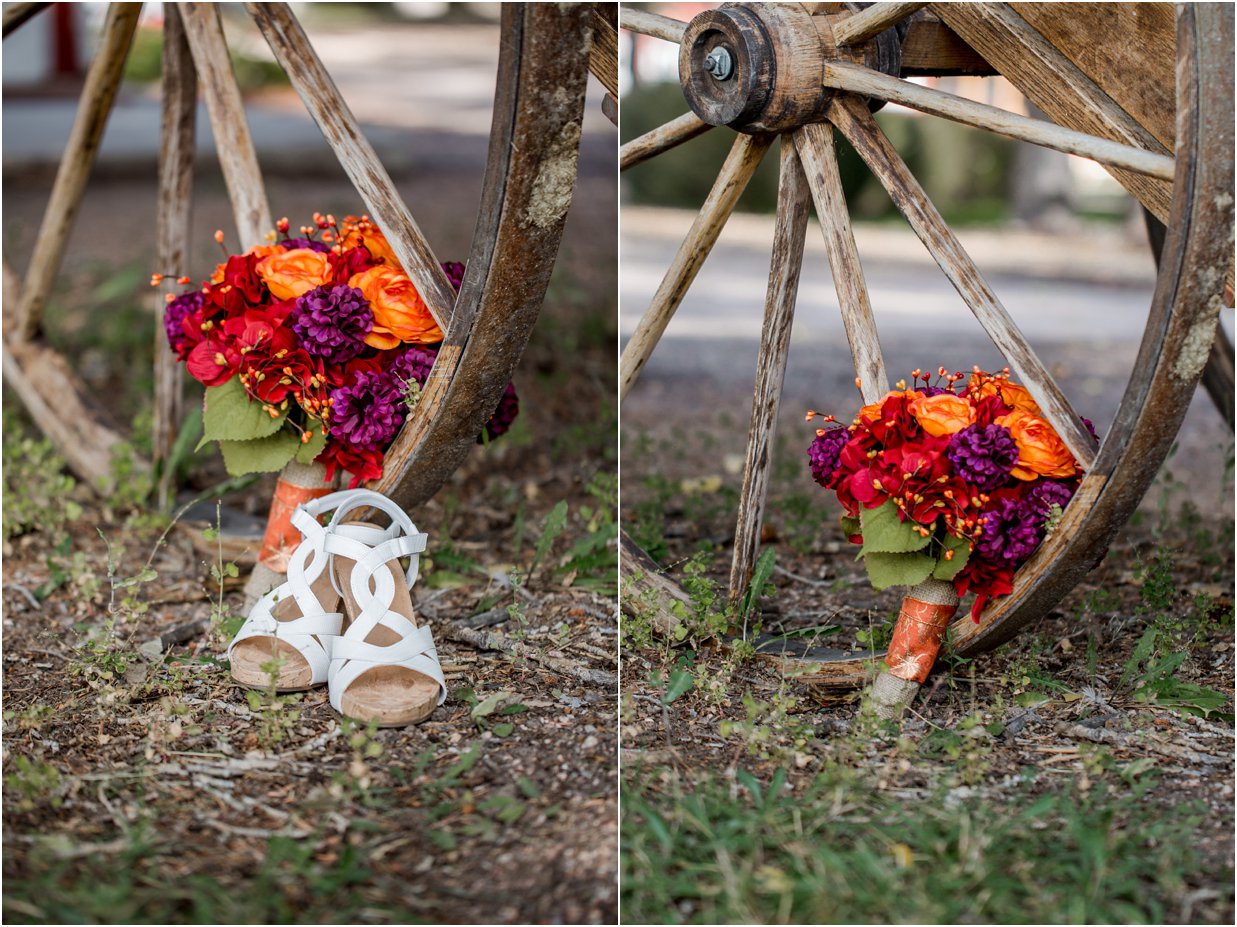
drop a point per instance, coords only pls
(1128, 742)
(491, 640)
(26, 594)
(181, 633)
(486, 619)
(782, 571)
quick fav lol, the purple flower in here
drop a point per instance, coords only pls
(1011, 531)
(824, 453)
(183, 305)
(413, 366)
(455, 273)
(983, 455)
(291, 244)
(332, 322)
(934, 390)
(368, 413)
(1046, 494)
(504, 415)
(1091, 430)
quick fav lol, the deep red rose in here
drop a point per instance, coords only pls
(272, 363)
(896, 425)
(989, 409)
(980, 574)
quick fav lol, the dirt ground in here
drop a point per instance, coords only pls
(1065, 705)
(145, 787)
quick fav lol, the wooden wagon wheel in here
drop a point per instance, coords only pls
(528, 184)
(799, 71)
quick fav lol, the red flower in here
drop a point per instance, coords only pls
(989, 409)
(241, 288)
(364, 463)
(351, 262)
(896, 425)
(272, 364)
(988, 579)
(212, 361)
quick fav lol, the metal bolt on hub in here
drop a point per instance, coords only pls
(720, 63)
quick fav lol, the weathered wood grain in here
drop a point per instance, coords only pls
(818, 153)
(932, 48)
(852, 118)
(603, 55)
(654, 24)
(646, 592)
(530, 174)
(61, 405)
(842, 75)
(237, 158)
(1056, 85)
(875, 19)
(789, 231)
(17, 14)
(172, 229)
(663, 138)
(1135, 64)
(98, 95)
(356, 155)
(740, 164)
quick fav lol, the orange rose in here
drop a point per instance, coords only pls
(1012, 394)
(259, 250)
(1040, 451)
(943, 414)
(400, 314)
(289, 274)
(872, 413)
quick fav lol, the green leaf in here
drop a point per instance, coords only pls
(907, 569)
(681, 681)
(489, 705)
(885, 533)
(553, 527)
(760, 575)
(307, 452)
(851, 526)
(948, 569)
(230, 415)
(261, 455)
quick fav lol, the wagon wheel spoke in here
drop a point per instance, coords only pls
(98, 95)
(233, 143)
(818, 151)
(17, 15)
(852, 118)
(737, 170)
(179, 86)
(1056, 85)
(356, 155)
(870, 22)
(663, 138)
(603, 54)
(654, 24)
(842, 75)
(787, 259)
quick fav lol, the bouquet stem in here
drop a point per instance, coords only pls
(297, 483)
(917, 635)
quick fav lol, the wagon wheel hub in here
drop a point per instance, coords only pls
(758, 67)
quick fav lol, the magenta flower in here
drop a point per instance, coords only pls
(332, 322)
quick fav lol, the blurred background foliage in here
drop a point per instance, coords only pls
(965, 172)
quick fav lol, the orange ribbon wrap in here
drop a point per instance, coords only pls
(917, 637)
(281, 536)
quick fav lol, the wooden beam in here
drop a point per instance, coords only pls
(740, 164)
(226, 109)
(663, 138)
(98, 95)
(356, 155)
(603, 54)
(843, 75)
(789, 231)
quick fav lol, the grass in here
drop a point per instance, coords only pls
(843, 851)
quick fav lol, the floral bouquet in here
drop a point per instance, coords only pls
(312, 351)
(948, 486)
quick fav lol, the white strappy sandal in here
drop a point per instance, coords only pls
(384, 668)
